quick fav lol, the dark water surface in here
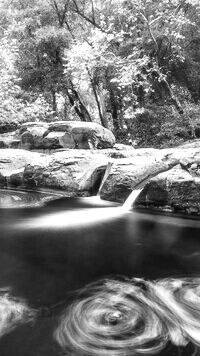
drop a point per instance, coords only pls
(48, 252)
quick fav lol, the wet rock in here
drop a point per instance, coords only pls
(176, 188)
(125, 175)
(15, 159)
(75, 171)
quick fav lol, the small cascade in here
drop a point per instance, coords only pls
(131, 199)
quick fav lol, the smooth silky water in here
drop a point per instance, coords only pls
(85, 277)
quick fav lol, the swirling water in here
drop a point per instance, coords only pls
(85, 277)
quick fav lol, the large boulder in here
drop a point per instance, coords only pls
(140, 166)
(58, 139)
(65, 134)
(177, 190)
(13, 162)
(85, 134)
(32, 135)
(77, 172)
(126, 174)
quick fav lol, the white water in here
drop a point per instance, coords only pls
(64, 219)
(128, 204)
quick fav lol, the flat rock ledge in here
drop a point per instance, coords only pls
(169, 179)
(76, 172)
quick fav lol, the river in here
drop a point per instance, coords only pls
(50, 251)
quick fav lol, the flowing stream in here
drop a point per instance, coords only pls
(84, 277)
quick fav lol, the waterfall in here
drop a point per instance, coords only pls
(131, 199)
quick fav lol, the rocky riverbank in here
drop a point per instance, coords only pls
(169, 178)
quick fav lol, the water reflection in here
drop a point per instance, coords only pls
(16, 198)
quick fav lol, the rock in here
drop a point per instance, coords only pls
(10, 140)
(125, 175)
(16, 178)
(32, 136)
(140, 165)
(176, 188)
(75, 171)
(191, 144)
(7, 125)
(125, 151)
(86, 135)
(58, 139)
(169, 178)
(15, 159)
(65, 134)
(31, 124)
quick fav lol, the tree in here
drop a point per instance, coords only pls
(107, 60)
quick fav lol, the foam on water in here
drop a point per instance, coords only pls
(13, 312)
(127, 317)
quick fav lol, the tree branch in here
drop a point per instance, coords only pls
(91, 21)
(93, 12)
(55, 6)
(64, 12)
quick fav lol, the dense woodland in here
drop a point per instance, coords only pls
(133, 66)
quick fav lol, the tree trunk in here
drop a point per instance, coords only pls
(78, 105)
(114, 108)
(54, 104)
(173, 98)
(102, 117)
(65, 109)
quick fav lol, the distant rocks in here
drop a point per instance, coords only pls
(31, 135)
(7, 125)
(58, 135)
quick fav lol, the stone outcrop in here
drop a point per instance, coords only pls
(77, 172)
(32, 135)
(126, 174)
(10, 140)
(13, 162)
(84, 135)
(169, 178)
(58, 135)
(7, 125)
(176, 190)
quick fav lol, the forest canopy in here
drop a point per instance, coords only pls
(133, 66)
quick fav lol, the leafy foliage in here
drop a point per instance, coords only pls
(131, 65)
